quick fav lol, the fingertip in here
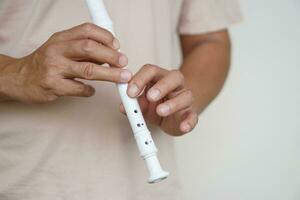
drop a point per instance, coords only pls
(121, 108)
(132, 90)
(90, 91)
(189, 123)
(123, 60)
(185, 127)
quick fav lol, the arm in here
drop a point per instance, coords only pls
(206, 60)
(180, 95)
(53, 69)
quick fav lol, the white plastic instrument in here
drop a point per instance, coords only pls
(141, 133)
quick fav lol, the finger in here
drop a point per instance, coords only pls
(122, 109)
(91, 71)
(178, 103)
(88, 31)
(90, 50)
(145, 75)
(174, 80)
(189, 123)
(73, 88)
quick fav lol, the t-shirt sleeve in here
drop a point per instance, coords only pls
(202, 16)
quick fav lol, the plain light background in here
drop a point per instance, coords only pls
(247, 144)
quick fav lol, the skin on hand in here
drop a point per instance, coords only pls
(52, 70)
(174, 102)
(164, 100)
(170, 99)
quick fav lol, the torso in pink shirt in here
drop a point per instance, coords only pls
(83, 148)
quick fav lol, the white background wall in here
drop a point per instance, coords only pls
(247, 145)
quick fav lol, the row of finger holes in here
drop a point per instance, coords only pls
(142, 124)
(139, 124)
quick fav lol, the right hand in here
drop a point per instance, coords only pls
(51, 70)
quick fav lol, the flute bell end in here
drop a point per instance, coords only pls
(157, 177)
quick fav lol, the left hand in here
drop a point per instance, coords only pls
(163, 99)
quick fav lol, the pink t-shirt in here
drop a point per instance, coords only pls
(83, 148)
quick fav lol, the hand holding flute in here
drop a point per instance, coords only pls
(54, 69)
(170, 81)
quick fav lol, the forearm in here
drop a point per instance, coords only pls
(205, 66)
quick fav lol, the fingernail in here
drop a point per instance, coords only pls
(164, 109)
(133, 90)
(92, 91)
(116, 44)
(125, 76)
(186, 128)
(123, 61)
(154, 94)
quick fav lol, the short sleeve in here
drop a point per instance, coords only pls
(202, 16)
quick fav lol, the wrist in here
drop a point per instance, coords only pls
(200, 94)
(6, 66)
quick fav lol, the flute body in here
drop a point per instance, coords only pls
(145, 143)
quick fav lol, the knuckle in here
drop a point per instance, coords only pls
(56, 35)
(190, 95)
(87, 71)
(47, 82)
(110, 74)
(148, 67)
(151, 69)
(88, 46)
(178, 74)
(53, 36)
(50, 50)
(116, 75)
(50, 69)
(155, 70)
(86, 27)
(108, 36)
(113, 58)
(50, 72)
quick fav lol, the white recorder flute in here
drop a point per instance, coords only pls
(141, 133)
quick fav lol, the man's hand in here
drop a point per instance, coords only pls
(164, 99)
(51, 71)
